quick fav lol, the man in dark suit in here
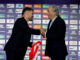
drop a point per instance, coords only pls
(55, 43)
(20, 39)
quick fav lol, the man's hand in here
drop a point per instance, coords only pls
(43, 31)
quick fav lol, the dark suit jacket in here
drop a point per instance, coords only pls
(21, 35)
(55, 43)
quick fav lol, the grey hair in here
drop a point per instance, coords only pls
(55, 9)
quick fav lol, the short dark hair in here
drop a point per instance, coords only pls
(26, 9)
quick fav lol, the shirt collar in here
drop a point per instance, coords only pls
(54, 19)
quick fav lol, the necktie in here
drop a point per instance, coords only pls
(50, 24)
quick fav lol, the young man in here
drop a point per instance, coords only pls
(21, 34)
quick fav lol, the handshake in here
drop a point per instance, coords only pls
(43, 31)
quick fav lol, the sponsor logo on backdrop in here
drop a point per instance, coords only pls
(78, 53)
(45, 5)
(64, 6)
(10, 16)
(1, 47)
(18, 10)
(73, 53)
(39, 53)
(73, 27)
(73, 37)
(36, 36)
(36, 41)
(19, 5)
(72, 42)
(45, 16)
(74, 12)
(10, 11)
(37, 5)
(2, 6)
(64, 11)
(36, 21)
(2, 11)
(7, 36)
(9, 26)
(44, 21)
(43, 47)
(28, 5)
(2, 20)
(9, 31)
(43, 51)
(74, 6)
(73, 32)
(2, 26)
(37, 16)
(73, 16)
(45, 11)
(36, 26)
(43, 42)
(2, 15)
(79, 42)
(18, 15)
(73, 21)
(2, 41)
(2, 36)
(44, 26)
(37, 10)
(73, 48)
(64, 16)
(10, 5)
(10, 20)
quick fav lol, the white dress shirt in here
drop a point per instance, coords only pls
(52, 22)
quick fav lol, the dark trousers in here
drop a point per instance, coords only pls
(15, 55)
(58, 57)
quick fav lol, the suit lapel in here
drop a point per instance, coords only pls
(52, 23)
(49, 25)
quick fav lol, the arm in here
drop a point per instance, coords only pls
(34, 31)
(26, 28)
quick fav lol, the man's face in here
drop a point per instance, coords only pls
(29, 15)
(51, 14)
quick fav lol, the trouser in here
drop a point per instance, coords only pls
(15, 55)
